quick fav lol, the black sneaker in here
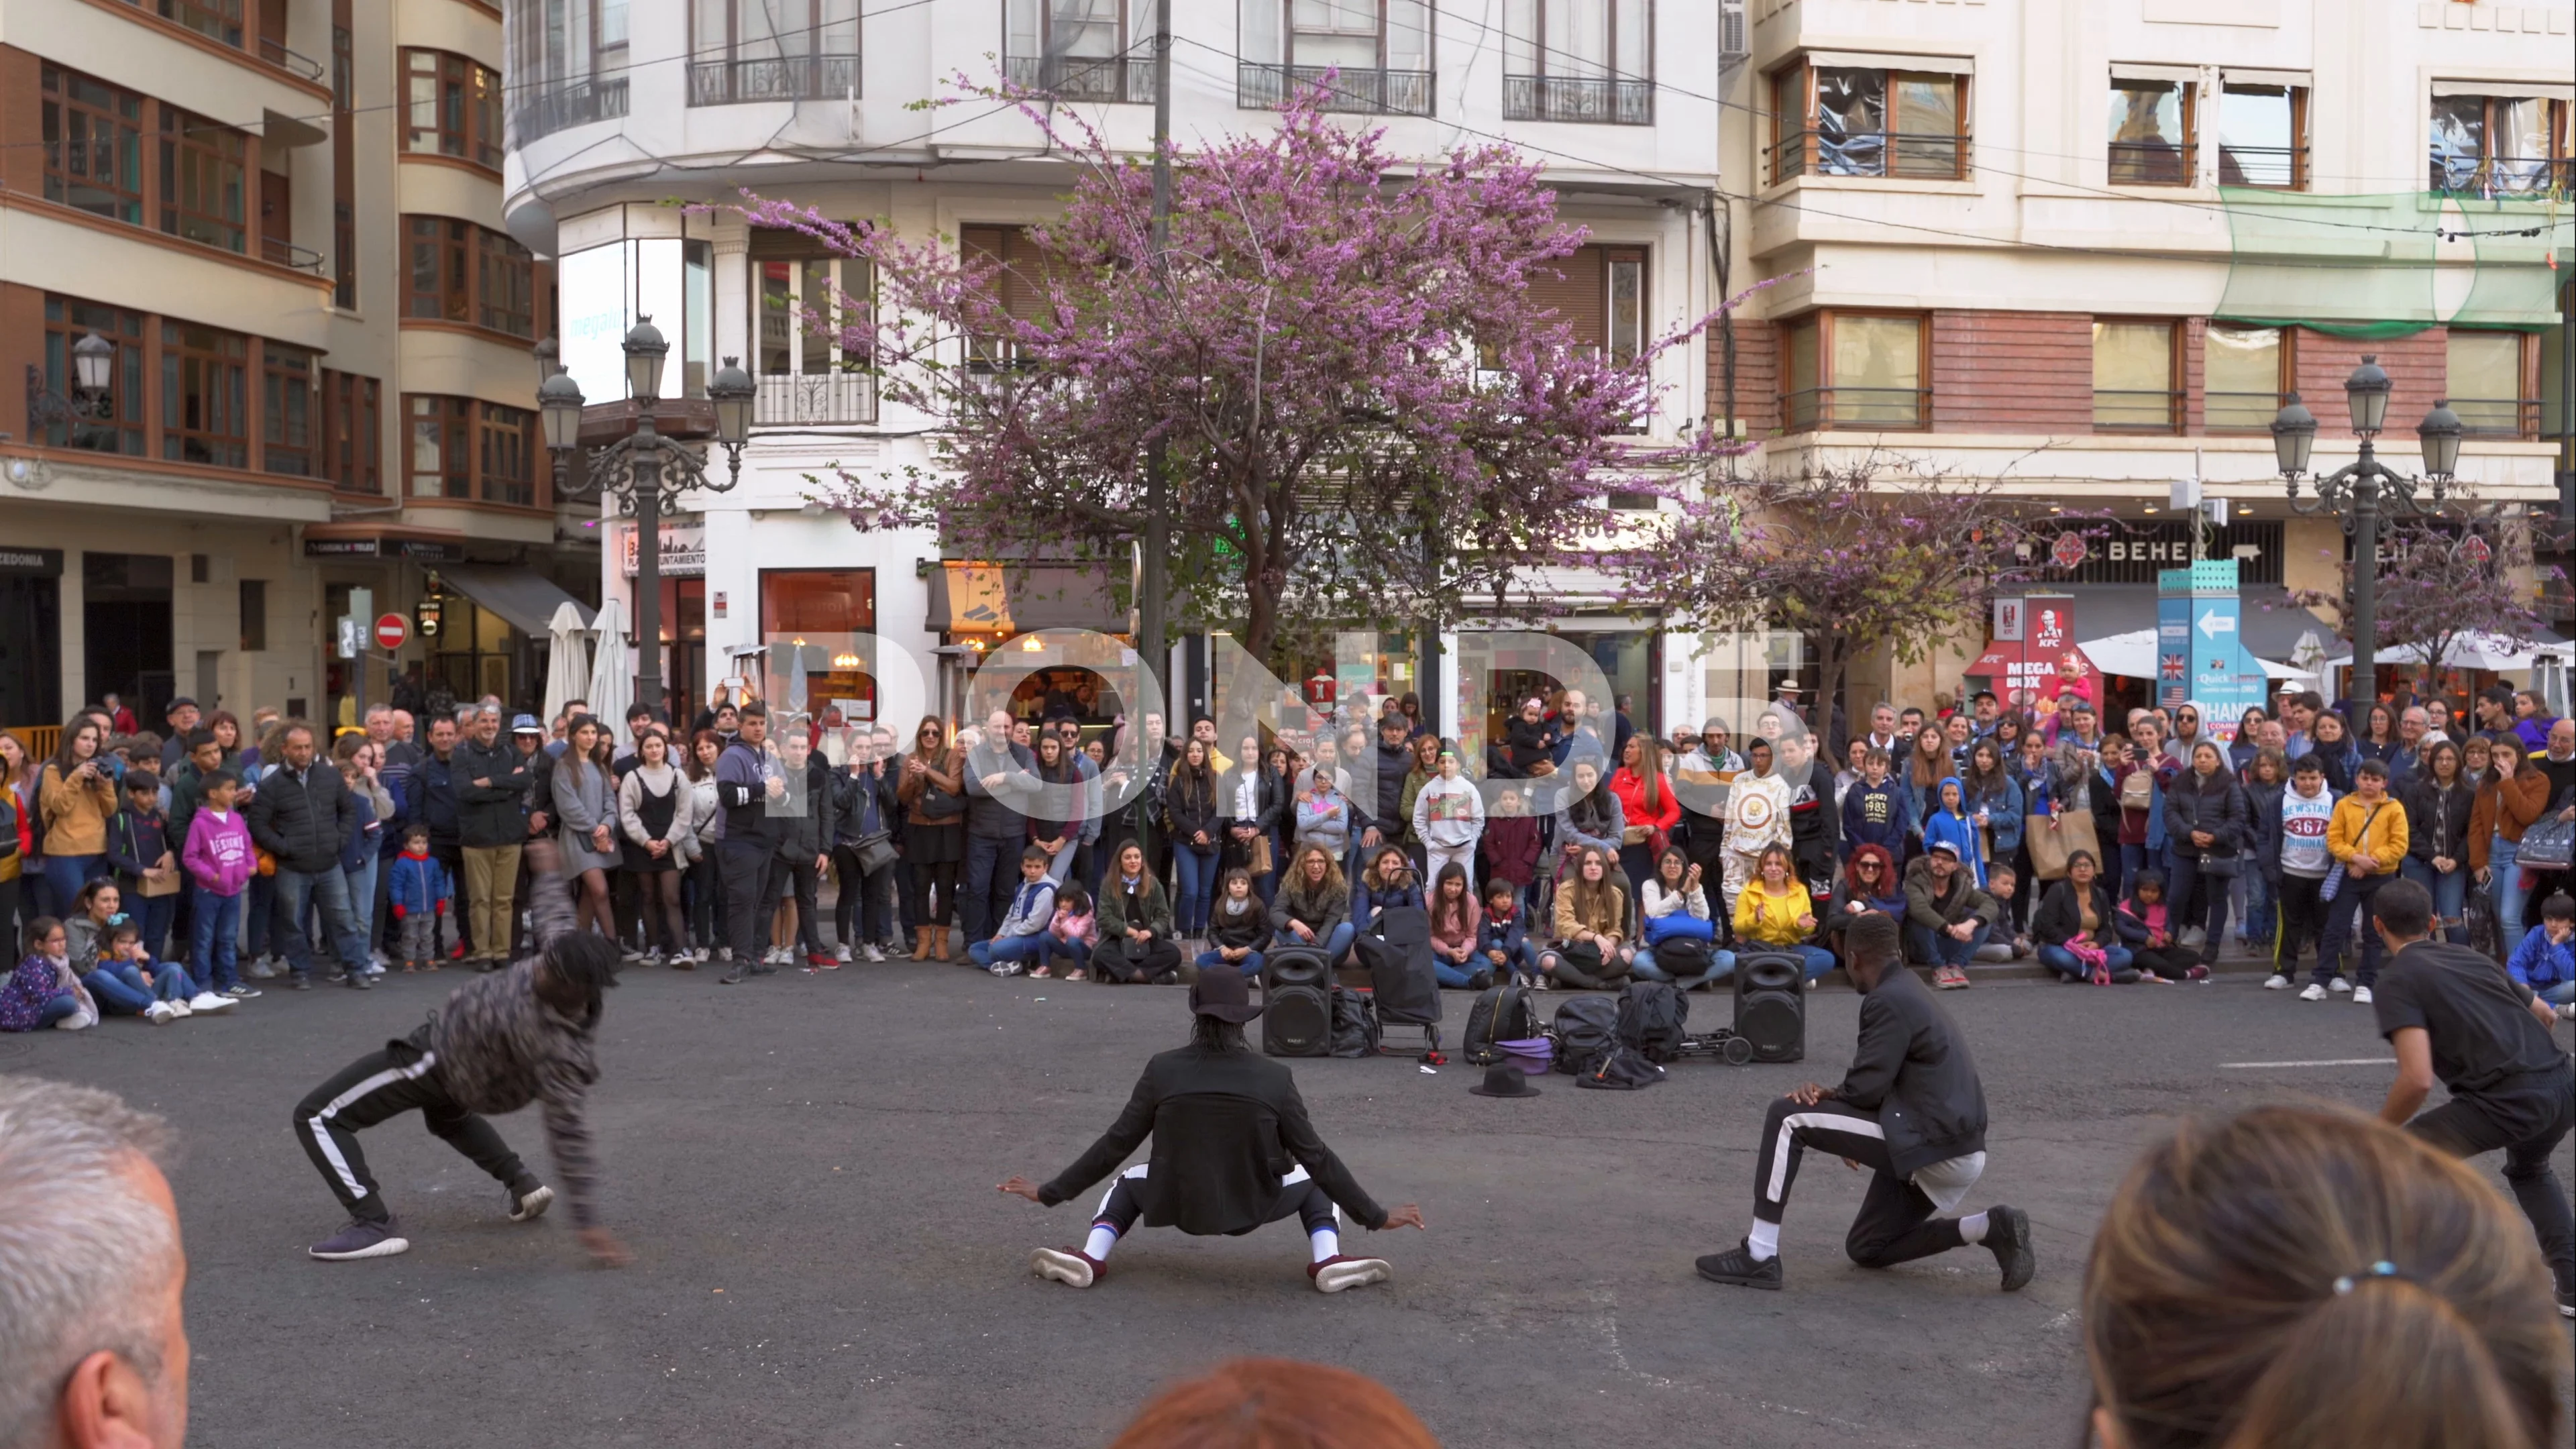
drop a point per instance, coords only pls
(299, 981)
(362, 1239)
(735, 977)
(358, 981)
(761, 968)
(1736, 1266)
(2008, 1237)
(530, 1206)
(241, 993)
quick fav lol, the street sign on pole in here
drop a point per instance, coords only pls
(392, 632)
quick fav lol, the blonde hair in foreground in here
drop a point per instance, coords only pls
(1276, 1403)
(2212, 1315)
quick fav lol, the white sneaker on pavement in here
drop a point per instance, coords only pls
(2314, 992)
(2361, 996)
(209, 1001)
(841, 952)
(159, 1013)
(871, 952)
(2278, 982)
(2339, 986)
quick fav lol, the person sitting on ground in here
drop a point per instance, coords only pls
(1591, 925)
(44, 991)
(1237, 925)
(2546, 959)
(1388, 884)
(1502, 939)
(1136, 943)
(1774, 912)
(1911, 1109)
(1224, 1119)
(1681, 936)
(2077, 928)
(1946, 916)
(2146, 921)
(1455, 925)
(2240, 1254)
(1073, 934)
(2006, 943)
(1026, 934)
(1870, 886)
(95, 1344)
(1313, 907)
(130, 982)
(1256, 1403)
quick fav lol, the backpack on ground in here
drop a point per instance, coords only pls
(1620, 1069)
(1586, 1029)
(1354, 1024)
(1682, 956)
(1651, 1014)
(1501, 1014)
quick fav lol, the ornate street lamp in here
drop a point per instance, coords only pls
(91, 407)
(2358, 490)
(643, 471)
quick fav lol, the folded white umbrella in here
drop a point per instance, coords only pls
(567, 658)
(612, 677)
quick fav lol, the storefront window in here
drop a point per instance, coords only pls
(811, 619)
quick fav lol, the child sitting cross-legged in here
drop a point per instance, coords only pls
(2545, 961)
(1023, 937)
(1237, 925)
(1072, 934)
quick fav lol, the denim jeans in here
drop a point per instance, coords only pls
(64, 875)
(1027, 950)
(152, 917)
(1940, 948)
(331, 888)
(121, 990)
(2353, 896)
(2064, 962)
(215, 919)
(2559, 995)
(1076, 953)
(991, 861)
(1336, 945)
(2262, 911)
(1250, 965)
(1197, 870)
(2450, 895)
(1721, 965)
(2504, 883)
(2211, 914)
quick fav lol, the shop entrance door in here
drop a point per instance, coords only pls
(125, 629)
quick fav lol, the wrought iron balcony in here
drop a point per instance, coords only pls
(564, 104)
(1259, 87)
(1084, 77)
(772, 78)
(1603, 100)
(814, 398)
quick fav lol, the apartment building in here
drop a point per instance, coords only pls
(630, 107)
(2090, 248)
(274, 340)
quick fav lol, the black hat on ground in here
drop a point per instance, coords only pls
(1502, 1079)
(1221, 993)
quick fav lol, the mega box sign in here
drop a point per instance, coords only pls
(2033, 637)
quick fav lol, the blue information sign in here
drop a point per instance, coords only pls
(2200, 646)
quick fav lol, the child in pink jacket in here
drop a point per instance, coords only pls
(1072, 933)
(219, 859)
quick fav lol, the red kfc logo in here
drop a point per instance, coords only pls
(2052, 630)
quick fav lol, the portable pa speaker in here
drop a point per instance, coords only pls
(1296, 1003)
(1771, 1005)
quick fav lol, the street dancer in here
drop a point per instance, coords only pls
(1911, 1109)
(502, 1041)
(1226, 1123)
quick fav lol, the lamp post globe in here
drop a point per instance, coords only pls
(2294, 437)
(93, 364)
(646, 350)
(2440, 432)
(559, 404)
(2367, 390)
(732, 390)
(546, 353)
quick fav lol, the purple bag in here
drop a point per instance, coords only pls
(1533, 1055)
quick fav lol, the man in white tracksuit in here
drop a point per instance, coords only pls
(1448, 818)
(1757, 818)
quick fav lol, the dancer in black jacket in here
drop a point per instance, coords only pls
(1227, 1124)
(1911, 1109)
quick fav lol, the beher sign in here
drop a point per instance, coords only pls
(684, 550)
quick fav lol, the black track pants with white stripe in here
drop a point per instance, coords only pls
(1895, 1224)
(385, 1084)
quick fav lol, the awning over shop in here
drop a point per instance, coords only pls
(2272, 624)
(523, 597)
(2471, 651)
(1004, 599)
(2134, 654)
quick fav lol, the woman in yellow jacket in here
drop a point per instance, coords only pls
(1774, 913)
(1591, 951)
(76, 795)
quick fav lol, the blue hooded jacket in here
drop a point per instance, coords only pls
(1944, 824)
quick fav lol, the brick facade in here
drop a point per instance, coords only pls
(2418, 367)
(1757, 376)
(2012, 372)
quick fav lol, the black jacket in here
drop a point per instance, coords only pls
(851, 790)
(2059, 919)
(1001, 815)
(1187, 811)
(1912, 1069)
(1815, 823)
(1227, 1127)
(433, 796)
(303, 822)
(1271, 797)
(804, 818)
(490, 814)
(2215, 803)
(2437, 820)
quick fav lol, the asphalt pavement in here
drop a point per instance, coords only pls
(805, 1165)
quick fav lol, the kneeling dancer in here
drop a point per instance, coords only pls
(1227, 1123)
(503, 1040)
(1911, 1109)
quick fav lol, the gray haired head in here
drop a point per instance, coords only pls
(86, 1257)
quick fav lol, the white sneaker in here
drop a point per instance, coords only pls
(209, 1001)
(2313, 992)
(2339, 986)
(872, 953)
(2361, 996)
(159, 1013)
(2278, 982)
(842, 953)
(179, 1008)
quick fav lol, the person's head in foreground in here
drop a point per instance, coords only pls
(1276, 1403)
(2301, 1277)
(93, 1352)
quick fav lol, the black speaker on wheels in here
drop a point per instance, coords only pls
(1296, 1003)
(1771, 1004)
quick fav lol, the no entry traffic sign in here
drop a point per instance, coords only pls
(392, 631)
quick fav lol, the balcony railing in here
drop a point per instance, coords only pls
(1905, 156)
(813, 398)
(2150, 163)
(1259, 87)
(2279, 168)
(2240, 412)
(2498, 176)
(1602, 101)
(551, 108)
(278, 55)
(2498, 417)
(1858, 407)
(1083, 77)
(773, 78)
(278, 252)
(2136, 410)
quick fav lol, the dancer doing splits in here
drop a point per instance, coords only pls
(503, 1040)
(1227, 1125)
(1911, 1109)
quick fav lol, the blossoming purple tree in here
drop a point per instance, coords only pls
(1361, 415)
(2439, 582)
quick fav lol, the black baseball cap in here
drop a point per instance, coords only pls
(1220, 992)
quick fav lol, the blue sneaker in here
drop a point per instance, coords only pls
(362, 1239)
